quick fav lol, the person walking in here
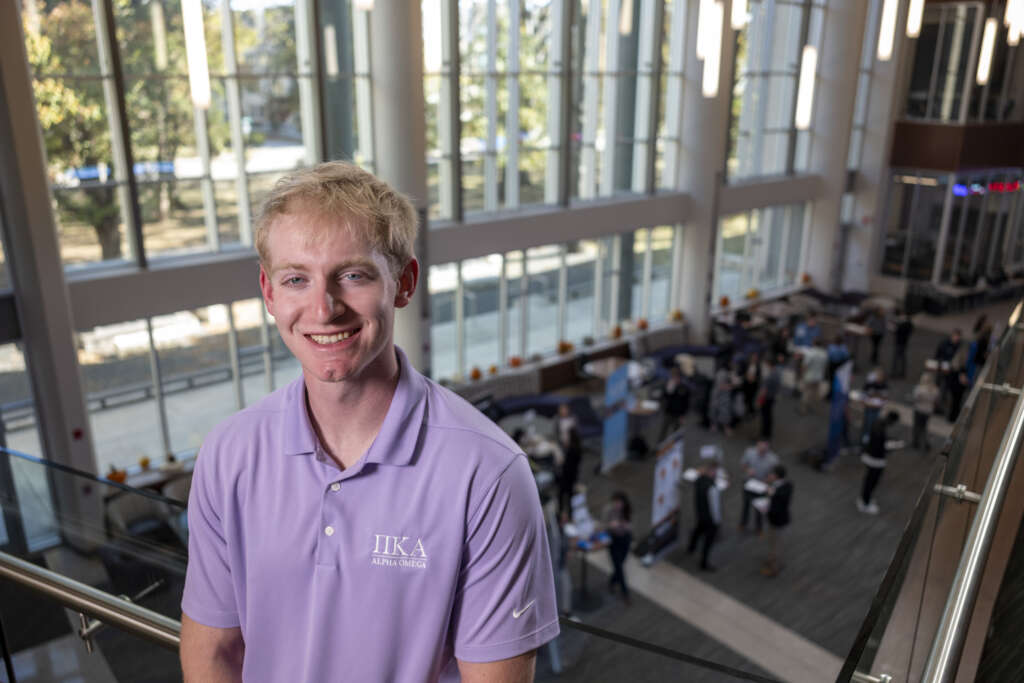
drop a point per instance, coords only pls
(769, 392)
(874, 461)
(958, 383)
(876, 324)
(699, 386)
(708, 508)
(720, 409)
(619, 526)
(757, 462)
(904, 327)
(572, 448)
(780, 496)
(876, 391)
(751, 382)
(926, 393)
(944, 354)
(840, 392)
(676, 402)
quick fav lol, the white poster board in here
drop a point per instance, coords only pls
(667, 472)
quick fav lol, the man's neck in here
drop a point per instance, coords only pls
(347, 416)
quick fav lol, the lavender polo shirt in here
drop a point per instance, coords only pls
(430, 548)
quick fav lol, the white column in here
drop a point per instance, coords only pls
(834, 96)
(41, 293)
(396, 53)
(888, 94)
(704, 135)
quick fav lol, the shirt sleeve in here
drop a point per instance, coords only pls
(505, 604)
(208, 596)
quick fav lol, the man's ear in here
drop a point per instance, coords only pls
(408, 279)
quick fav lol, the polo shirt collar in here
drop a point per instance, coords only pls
(399, 433)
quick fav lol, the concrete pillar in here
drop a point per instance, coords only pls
(40, 290)
(889, 82)
(834, 94)
(396, 64)
(702, 164)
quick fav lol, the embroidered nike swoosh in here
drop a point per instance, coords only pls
(516, 613)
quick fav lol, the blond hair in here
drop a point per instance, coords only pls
(373, 210)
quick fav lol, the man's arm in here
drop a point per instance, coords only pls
(214, 655)
(514, 670)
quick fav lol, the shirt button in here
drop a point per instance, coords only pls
(335, 486)
(329, 530)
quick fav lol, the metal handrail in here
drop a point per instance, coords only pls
(82, 598)
(947, 648)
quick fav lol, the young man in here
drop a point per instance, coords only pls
(362, 522)
(708, 509)
(873, 458)
(780, 495)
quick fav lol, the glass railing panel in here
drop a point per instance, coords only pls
(120, 539)
(886, 640)
(897, 636)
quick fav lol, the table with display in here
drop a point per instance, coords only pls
(583, 600)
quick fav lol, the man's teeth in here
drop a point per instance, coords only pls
(330, 338)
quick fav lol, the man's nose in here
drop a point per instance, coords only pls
(329, 303)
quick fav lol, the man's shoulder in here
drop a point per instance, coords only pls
(454, 417)
(249, 424)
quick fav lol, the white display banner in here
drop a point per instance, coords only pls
(667, 472)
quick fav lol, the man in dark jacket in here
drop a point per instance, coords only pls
(708, 508)
(944, 354)
(873, 458)
(901, 337)
(778, 517)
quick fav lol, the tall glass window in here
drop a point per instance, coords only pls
(581, 259)
(762, 138)
(19, 431)
(442, 280)
(912, 224)
(759, 250)
(938, 78)
(543, 266)
(524, 303)
(481, 280)
(199, 172)
(620, 49)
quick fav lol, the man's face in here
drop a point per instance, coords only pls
(762, 447)
(332, 297)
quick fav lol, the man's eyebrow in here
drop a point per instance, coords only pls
(287, 266)
(365, 264)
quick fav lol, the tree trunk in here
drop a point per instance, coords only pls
(109, 234)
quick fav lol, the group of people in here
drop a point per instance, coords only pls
(767, 492)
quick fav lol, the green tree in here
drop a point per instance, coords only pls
(72, 111)
(75, 132)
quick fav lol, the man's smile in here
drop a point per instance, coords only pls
(328, 339)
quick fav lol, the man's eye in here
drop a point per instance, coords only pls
(294, 280)
(352, 277)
